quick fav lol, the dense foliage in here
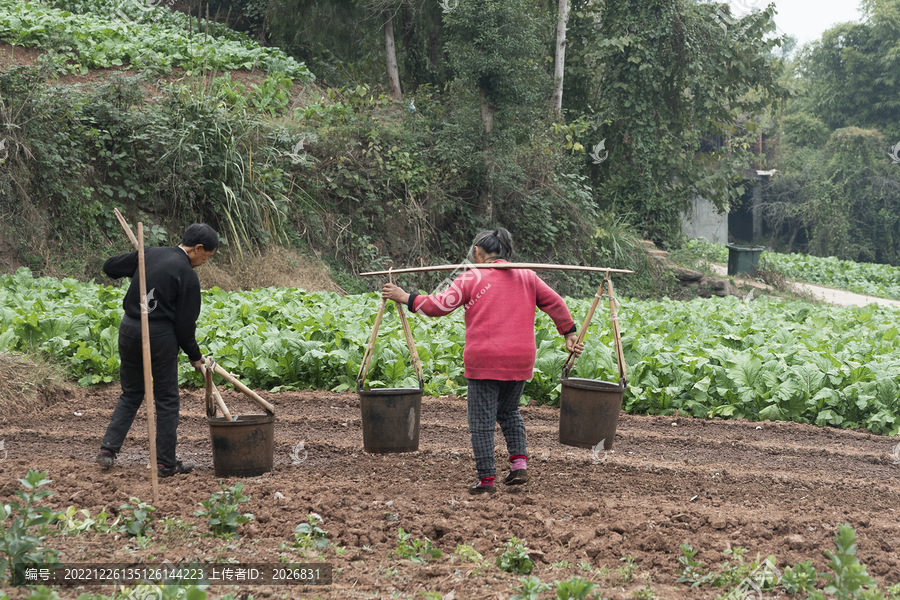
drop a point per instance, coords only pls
(852, 72)
(707, 358)
(677, 96)
(837, 186)
(194, 154)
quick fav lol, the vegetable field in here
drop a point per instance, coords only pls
(759, 360)
(881, 281)
(88, 35)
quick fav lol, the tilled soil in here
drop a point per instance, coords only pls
(774, 488)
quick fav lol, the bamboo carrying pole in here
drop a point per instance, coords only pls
(614, 319)
(620, 352)
(145, 344)
(240, 386)
(213, 395)
(367, 357)
(413, 353)
(583, 332)
(532, 266)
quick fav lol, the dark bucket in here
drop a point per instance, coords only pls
(390, 419)
(589, 412)
(244, 447)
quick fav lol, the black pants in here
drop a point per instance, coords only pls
(164, 359)
(491, 402)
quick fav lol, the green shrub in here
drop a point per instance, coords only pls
(414, 549)
(310, 535)
(24, 527)
(221, 510)
(515, 558)
(137, 518)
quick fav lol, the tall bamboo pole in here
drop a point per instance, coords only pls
(148, 372)
(145, 343)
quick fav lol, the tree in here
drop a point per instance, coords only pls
(385, 10)
(559, 63)
(495, 46)
(852, 73)
(676, 92)
(845, 194)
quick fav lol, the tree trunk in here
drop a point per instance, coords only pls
(409, 44)
(487, 116)
(391, 52)
(488, 109)
(559, 64)
(790, 247)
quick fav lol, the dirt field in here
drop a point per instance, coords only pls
(773, 488)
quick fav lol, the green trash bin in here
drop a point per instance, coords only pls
(743, 259)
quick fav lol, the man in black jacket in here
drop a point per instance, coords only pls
(173, 305)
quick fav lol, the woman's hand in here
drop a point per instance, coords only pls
(571, 346)
(395, 293)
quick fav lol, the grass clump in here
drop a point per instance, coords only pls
(28, 381)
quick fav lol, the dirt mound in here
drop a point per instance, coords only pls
(772, 488)
(278, 267)
(28, 385)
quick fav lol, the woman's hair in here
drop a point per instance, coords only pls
(201, 233)
(497, 243)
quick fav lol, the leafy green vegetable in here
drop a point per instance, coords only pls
(102, 38)
(720, 357)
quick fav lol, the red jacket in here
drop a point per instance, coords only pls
(499, 305)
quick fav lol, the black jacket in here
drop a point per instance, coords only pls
(173, 295)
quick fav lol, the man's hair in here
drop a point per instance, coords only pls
(201, 233)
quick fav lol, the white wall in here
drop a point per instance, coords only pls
(703, 220)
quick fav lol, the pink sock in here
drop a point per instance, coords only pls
(517, 463)
(486, 481)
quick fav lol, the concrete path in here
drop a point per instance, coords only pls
(825, 294)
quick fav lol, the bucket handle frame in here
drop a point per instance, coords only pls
(410, 342)
(614, 318)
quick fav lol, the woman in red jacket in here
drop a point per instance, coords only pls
(500, 347)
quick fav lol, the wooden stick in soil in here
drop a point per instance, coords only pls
(145, 349)
(240, 386)
(148, 372)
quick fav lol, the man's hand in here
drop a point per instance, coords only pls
(571, 346)
(198, 363)
(395, 293)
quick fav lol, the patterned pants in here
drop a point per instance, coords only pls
(493, 402)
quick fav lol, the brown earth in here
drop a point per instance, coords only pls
(773, 488)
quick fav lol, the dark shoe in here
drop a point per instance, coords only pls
(478, 488)
(517, 477)
(180, 467)
(106, 458)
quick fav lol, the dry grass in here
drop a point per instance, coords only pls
(27, 383)
(278, 267)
